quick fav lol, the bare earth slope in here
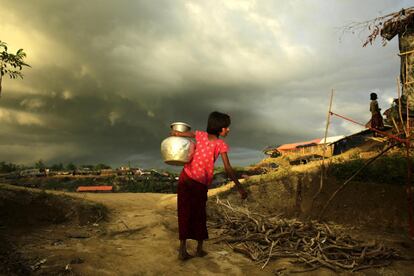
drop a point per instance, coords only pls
(140, 238)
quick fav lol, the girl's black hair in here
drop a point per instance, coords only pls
(216, 122)
(373, 96)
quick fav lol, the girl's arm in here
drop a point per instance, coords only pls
(190, 134)
(232, 175)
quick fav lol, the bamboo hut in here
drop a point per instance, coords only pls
(402, 24)
(399, 24)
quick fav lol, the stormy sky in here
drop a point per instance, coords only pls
(108, 77)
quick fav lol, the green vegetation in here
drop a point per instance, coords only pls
(57, 167)
(391, 169)
(149, 185)
(71, 167)
(11, 64)
(128, 183)
(40, 165)
(9, 167)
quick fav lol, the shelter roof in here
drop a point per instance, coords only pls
(332, 139)
(299, 144)
(398, 23)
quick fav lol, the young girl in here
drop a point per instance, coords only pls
(376, 117)
(195, 178)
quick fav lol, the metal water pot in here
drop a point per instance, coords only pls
(176, 150)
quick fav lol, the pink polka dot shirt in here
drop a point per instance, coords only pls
(201, 167)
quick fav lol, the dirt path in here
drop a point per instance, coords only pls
(139, 239)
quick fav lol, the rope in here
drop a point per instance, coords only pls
(405, 141)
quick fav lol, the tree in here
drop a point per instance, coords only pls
(71, 167)
(40, 165)
(57, 167)
(101, 166)
(11, 64)
(8, 167)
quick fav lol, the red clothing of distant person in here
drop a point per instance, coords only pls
(376, 117)
(201, 167)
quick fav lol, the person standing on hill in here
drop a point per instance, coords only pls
(376, 117)
(195, 178)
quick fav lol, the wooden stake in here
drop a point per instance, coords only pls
(328, 119)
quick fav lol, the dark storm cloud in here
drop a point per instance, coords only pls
(108, 78)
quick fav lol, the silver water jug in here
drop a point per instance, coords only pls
(176, 150)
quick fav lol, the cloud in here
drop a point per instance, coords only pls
(19, 118)
(108, 78)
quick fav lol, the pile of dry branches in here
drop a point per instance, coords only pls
(313, 244)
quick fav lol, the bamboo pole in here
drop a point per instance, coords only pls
(406, 74)
(409, 194)
(399, 106)
(408, 185)
(405, 53)
(395, 125)
(322, 168)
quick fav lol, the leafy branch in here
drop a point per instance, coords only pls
(11, 64)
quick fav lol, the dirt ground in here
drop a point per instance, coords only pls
(139, 236)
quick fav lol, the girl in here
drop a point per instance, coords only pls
(376, 117)
(195, 178)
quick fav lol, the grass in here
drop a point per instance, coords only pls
(390, 169)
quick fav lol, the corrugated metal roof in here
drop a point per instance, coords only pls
(93, 188)
(332, 139)
(299, 144)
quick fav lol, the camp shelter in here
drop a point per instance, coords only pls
(315, 147)
(402, 24)
(351, 141)
(332, 139)
(319, 147)
(300, 148)
(271, 150)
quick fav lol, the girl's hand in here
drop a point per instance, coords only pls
(189, 134)
(243, 193)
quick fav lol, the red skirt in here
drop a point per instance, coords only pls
(377, 121)
(191, 208)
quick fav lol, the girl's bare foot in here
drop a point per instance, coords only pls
(183, 255)
(201, 253)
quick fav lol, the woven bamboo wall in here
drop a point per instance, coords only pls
(406, 44)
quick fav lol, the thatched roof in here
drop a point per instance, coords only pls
(398, 23)
(386, 26)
